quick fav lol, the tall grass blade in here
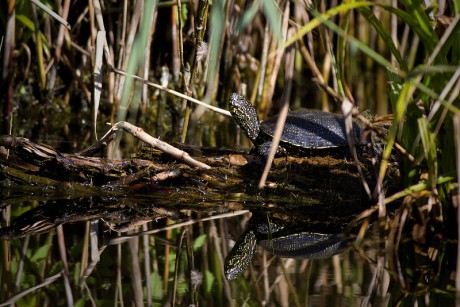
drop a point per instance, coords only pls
(429, 149)
(426, 34)
(217, 30)
(274, 17)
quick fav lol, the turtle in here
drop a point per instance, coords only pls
(283, 241)
(304, 131)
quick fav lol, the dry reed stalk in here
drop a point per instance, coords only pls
(65, 264)
(289, 74)
(166, 257)
(176, 268)
(148, 271)
(47, 281)
(135, 272)
(228, 292)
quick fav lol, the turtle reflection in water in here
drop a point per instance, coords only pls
(282, 241)
(304, 131)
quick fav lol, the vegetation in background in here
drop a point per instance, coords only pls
(398, 57)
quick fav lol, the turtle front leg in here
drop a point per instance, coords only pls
(264, 149)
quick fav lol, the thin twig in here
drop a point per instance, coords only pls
(21, 294)
(213, 234)
(148, 273)
(163, 146)
(136, 276)
(52, 14)
(318, 76)
(456, 120)
(125, 238)
(66, 273)
(194, 277)
(25, 246)
(289, 73)
(166, 259)
(292, 291)
(170, 91)
(95, 256)
(176, 268)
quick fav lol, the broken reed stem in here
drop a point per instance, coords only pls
(318, 76)
(156, 143)
(289, 68)
(21, 294)
(456, 122)
(124, 238)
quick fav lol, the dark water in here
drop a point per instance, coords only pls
(160, 250)
(99, 244)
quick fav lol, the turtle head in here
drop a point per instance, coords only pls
(245, 116)
(240, 257)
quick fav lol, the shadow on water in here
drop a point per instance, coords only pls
(155, 247)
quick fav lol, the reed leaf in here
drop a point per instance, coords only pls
(429, 149)
(419, 23)
(274, 17)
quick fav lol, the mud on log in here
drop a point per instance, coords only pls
(26, 163)
(323, 188)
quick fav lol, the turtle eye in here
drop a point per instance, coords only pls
(235, 100)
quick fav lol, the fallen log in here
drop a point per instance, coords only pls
(327, 189)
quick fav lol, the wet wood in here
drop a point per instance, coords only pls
(319, 188)
(28, 163)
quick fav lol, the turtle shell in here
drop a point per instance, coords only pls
(310, 129)
(282, 240)
(305, 245)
